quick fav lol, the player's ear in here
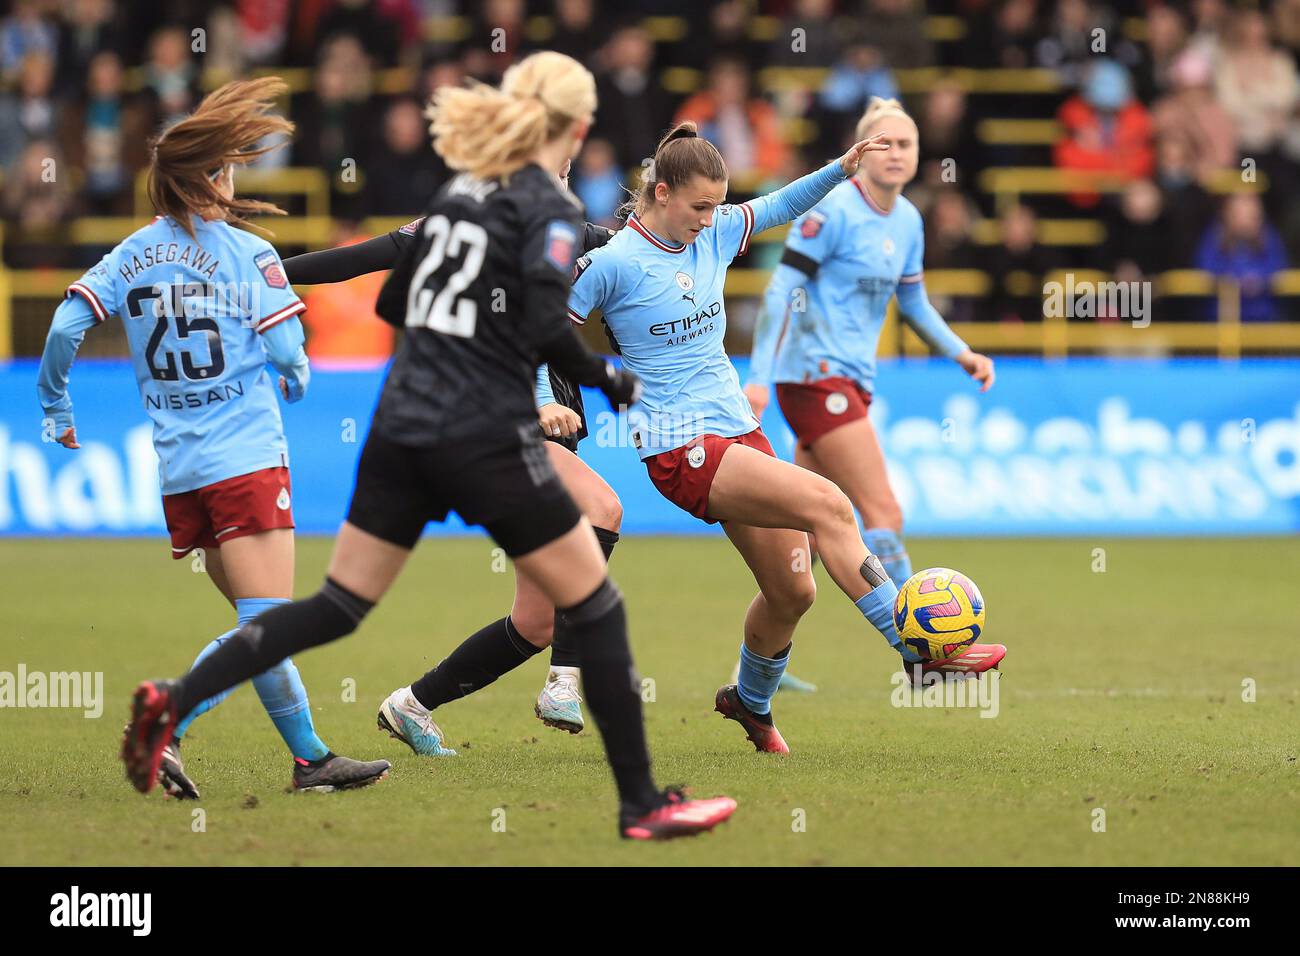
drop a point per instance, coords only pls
(580, 130)
(662, 192)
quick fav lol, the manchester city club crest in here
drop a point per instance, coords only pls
(695, 457)
(837, 403)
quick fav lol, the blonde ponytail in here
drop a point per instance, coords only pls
(878, 109)
(490, 132)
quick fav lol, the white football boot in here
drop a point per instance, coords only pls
(406, 719)
(559, 704)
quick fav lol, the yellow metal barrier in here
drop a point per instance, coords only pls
(6, 307)
(1018, 132)
(665, 29)
(1051, 232)
(1013, 180)
(446, 29)
(1055, 336)
(941, 29)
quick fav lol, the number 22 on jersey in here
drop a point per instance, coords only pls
(444, 311)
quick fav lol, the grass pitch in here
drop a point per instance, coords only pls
(1123, 691)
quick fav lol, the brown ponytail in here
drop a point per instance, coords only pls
(681, 154)
(223, 131)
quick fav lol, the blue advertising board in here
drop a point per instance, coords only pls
(1113, 446)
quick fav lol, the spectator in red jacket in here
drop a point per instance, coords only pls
(1106, 130)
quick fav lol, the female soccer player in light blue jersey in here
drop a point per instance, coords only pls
(820, 326)
(206, 305)
(659, 284)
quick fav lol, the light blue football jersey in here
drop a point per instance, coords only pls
(194, 312)
(663, 303)
(826, 303)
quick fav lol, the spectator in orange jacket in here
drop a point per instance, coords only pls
(1106, 130)
(747, 131)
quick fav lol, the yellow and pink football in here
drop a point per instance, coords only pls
(939, 613)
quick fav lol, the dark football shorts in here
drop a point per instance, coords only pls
(685, 475)
(228, 509)
(812, 409)
(501, 480)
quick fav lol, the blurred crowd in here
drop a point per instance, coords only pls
(1171, 99)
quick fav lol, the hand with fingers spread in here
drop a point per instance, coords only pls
(851, 160)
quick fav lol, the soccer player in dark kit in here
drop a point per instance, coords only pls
(456, 429)
(533, 623)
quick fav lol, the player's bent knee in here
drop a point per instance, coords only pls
(832, 506)
(796, 599)
(606, 511)
(535, 625)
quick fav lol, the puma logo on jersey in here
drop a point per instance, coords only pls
(687, 285)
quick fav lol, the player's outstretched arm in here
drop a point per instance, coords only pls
(67, 330)
(796, 198)
(343, 263)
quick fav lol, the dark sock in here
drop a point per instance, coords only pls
(330, 613)
(599, 629)
(607, 541)
(479, 660)
(564, 653)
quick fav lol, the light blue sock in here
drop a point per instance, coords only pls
(877, 606)
(886, 544)
(211, 702)
(282, 693)
(759, 678)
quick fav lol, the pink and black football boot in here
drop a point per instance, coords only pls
(153, 719)
(761, 733)
(973, 661)
(675, 817)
